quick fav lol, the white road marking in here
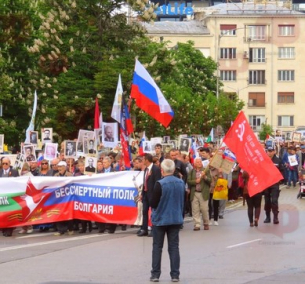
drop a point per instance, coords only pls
(245, 243)
(53, 242)
(35, 235)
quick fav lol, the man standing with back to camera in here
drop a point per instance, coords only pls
(167, 202)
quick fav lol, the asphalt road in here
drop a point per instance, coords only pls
(230, 253)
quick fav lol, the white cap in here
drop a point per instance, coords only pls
(62, 163)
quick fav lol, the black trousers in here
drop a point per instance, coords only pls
(145, 211)
(254, 206)
(271, 199)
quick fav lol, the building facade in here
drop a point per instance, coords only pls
(259, 50)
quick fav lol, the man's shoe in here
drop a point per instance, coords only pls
(175, 280)
(154, 279)
(124, 227)
(196, 228)
(70, 233)
(101, 231)
(267, 220)
(206, 227)
(142, 234)
(22, 232)
(29, 231)
(216, 223)
(276, 220)
(220, 217)
(59, 234)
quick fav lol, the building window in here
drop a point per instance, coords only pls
(286, 30)
(285, 75)
(285, 98)
(286, 52)
(257, 77)
(229, 30)
(257, 55)
(256, 100)
(228, 53)
(228, 75)
(285, 120)
(256, 32)
(256, 121)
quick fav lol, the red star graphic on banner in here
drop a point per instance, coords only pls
(32, 200)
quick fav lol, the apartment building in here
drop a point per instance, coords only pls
(259, 50)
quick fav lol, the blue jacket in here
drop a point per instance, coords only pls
(170, 208)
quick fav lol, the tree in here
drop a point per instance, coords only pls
(266, 130)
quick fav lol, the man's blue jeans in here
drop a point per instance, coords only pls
(172, 232)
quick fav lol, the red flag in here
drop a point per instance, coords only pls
(251, 156)
(96, 115)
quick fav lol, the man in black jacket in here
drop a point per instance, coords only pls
(272, 193)
(152, 174)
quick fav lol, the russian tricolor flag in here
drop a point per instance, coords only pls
(149, 97)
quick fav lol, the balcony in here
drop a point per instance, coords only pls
(251, 39)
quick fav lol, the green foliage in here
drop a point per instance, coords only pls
(266, 129)
(70, 51)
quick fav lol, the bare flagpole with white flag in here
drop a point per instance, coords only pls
(117, 104)
(32, 122)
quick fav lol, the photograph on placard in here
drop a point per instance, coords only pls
(133, 146)
(166, 139)
(173, 143)
(110, 134)
(296, 137)
(29, 152)
(46, 135)
(1, 143)
(154, 141)
(81, 134)
(166, 148)
(70, 148)
(50, 151)
(34, 137)
(200, 140)
(185, 144)
(90, 164)
(19, 162)
(98, 135)
(89, 147)
(147, 147)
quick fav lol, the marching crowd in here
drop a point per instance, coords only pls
(203, 199)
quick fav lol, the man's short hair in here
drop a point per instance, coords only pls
(148, 157)
(172, 150)
(204, 149)
(158, 145)
(168, 166)
(107, 159)
(139, 159)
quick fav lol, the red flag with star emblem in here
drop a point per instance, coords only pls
(251, 156)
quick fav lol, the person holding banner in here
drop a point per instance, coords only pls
(7, 172)
(63, 226)
(101, 225)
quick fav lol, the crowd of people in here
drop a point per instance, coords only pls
(200, 181)
(206, 190)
